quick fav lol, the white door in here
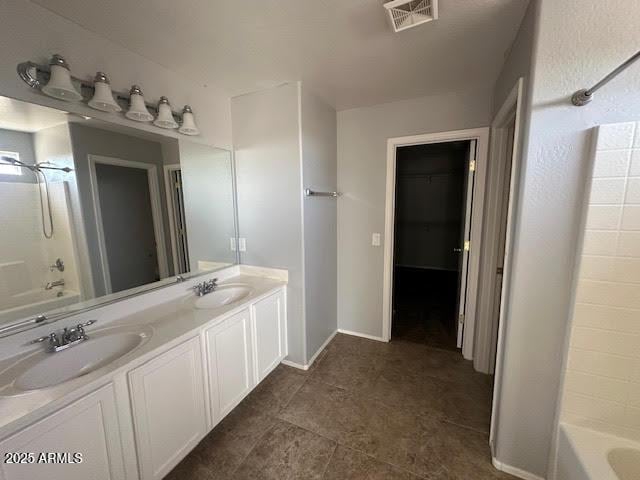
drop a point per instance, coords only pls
(466, 241)
(88, 427)
(230, 362)
(268, 334)
(168, 401)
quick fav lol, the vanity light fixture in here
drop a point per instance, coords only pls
(137, 108)
(59, 85)
(102, 97)
(188, 126)
(55, 80)
(165, 116)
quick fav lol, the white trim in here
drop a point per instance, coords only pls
(487, 324)
(516, 95)
(362, 335)
(482, 136)
(322, 347)
(289, 363)
(299, 366)
(156, 212)
(168, 190)
(516, 472)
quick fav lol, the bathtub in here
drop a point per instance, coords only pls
(39, 301)
(585, 454)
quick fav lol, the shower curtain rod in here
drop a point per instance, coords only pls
(584, 96)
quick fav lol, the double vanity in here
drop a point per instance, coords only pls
(155, 374)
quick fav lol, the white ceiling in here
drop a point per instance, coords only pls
(27, 117)
(343, 49)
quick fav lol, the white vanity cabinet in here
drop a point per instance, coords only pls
(230, 363)
(88, 426)
(168, 403)
(269, 333)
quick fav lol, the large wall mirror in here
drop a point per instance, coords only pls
(92, 211)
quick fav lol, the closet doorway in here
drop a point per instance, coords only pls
(433, 204)
(435, 195)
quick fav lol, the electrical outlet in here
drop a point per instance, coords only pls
(375, 239)
(242, 244)
(232, 244)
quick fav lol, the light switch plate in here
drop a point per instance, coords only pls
(375, 239)
(232, 244)
(242, 244)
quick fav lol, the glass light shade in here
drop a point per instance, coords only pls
(59, 85)
(188, 126)
(165, 117)
(103, 97)
(137, 108)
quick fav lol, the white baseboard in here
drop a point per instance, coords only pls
(313, 358)
(289, 363)
(363, 335)
(322, 347)
(516, 472)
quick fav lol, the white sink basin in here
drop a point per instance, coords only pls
(44, 369)
(224, 295)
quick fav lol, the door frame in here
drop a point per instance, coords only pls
(171, 212)
(515, 100)
(487, 324)
(481, 135)
(156, 213)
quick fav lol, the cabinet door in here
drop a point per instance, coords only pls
(88, 427)
(230, 363)
(168, 401)
(269, 332)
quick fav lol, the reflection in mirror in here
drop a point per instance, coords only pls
(93, 211)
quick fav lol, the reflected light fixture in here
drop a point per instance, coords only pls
(103, 97)
(137, 108)
(165, 116)
(188, 126)
(59, 85)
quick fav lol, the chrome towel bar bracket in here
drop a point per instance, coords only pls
(312, 193)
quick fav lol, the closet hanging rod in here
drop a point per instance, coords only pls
(312, 193)
(584, 96)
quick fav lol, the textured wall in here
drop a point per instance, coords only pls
(266, 137)
(362, 157)
(319, 171)
(576, 45)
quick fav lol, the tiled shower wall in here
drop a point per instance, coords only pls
(26, 255)
(602, 383)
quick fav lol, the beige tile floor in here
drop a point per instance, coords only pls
(365, 410)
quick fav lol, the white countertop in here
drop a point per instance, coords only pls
(172, 322)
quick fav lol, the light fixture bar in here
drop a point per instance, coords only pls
(36, 75)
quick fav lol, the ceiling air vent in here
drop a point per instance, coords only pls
(411, 13)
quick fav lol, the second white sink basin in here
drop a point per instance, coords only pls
(44, 369)
(223, 295)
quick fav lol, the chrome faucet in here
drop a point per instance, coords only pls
(67, 338)
(205, 287)
(57, 283)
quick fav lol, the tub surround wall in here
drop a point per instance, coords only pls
(602, 375)
(26, 255)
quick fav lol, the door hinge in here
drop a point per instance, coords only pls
(472, 166)
(461, 319)
(467, 246)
